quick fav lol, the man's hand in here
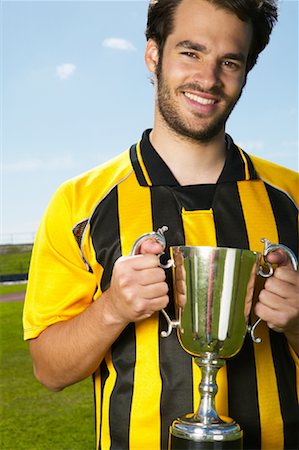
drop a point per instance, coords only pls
(279, 300)
(138, 287)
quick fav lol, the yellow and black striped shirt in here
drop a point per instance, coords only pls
(146, 381)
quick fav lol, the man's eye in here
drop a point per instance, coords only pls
(189, 54)
(230, 65)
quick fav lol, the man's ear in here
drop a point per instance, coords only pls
(151, 55)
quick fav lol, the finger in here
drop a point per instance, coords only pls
(271, 300)
(281, 288)
(153, 291)
(286, 274)
(137, 262)
(152, 276)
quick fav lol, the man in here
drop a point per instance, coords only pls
(92, 309)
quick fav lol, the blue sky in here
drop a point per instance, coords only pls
(75, 92)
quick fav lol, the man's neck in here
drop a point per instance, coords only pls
(191, 162)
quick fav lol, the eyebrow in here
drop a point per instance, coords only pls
(190, 45)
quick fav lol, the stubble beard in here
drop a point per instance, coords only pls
(177, 123)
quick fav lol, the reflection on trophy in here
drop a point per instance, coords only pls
(213, 290)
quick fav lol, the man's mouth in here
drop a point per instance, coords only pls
(199, 99)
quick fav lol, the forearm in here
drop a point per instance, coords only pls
(70, 351)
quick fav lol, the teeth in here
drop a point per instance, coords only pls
(202, 101)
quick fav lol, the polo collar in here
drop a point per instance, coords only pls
(151, 170)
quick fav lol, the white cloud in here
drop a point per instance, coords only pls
(65, 71)
(118, 44)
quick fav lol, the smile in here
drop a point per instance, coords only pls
(198, 99)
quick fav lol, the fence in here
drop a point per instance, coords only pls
(17, 238)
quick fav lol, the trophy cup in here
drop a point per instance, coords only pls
(213, 289)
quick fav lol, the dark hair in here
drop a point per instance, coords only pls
(262, 14)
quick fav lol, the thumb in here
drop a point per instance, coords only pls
(150, 246)
(280, 258)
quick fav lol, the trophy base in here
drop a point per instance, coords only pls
(188, 434)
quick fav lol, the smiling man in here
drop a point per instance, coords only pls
(92, 309)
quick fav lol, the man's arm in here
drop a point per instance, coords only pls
(279, 300)
(69, 351)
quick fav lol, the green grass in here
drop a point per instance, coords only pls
(33, 418)
(14, 258)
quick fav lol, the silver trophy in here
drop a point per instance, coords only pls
(213, 290)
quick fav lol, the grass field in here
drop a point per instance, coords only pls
(33, 418)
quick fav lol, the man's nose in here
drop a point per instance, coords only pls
(208, 75)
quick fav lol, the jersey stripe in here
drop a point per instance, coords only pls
(229, 219)
(123, 358)
(281, 203)
(256, 199)
(286, 375)
(106, 242)
(231, 232)
(243, 401)
(109, 385)
(147, 382)
(175, 363)
(143, 168)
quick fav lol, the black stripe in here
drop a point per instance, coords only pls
(285, 369)
(136, 166)
(104, 230)
(106, 241)
(123, 357)
(229, 218)
(286, 217)
(242, 385)
(243, 397)
(104, 375)
(252, 172)
(175, 363)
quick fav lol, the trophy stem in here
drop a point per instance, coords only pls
(205, 430)
(208, 388)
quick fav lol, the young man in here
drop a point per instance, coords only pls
(92, 309)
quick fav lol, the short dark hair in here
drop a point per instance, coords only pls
(262, 14)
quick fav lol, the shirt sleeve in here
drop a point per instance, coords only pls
(60, 286)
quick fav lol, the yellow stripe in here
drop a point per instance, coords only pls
(247, 174)
(109, 385)
(260, 223)
(145, 428)
(296, 360)
(147, 379)
(143, 168)
(97, 388)
(199, 229)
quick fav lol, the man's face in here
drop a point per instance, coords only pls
(203, 69)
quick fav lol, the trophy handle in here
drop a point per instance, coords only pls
(159, 236)
(268, 248)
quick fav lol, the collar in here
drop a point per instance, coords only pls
(151, 170)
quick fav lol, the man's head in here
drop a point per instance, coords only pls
(200, 52)
(261, 14)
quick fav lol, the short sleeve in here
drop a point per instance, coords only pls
(60, 284)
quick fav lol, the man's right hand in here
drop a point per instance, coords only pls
(138, 287)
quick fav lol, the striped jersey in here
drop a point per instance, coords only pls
(146, 381)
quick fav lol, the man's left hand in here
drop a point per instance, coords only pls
(279, 300)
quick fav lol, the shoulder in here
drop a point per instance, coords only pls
(277, 176)
(83, 192)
